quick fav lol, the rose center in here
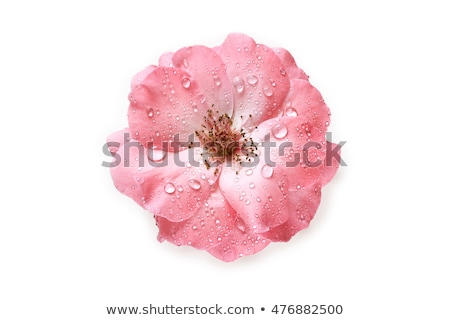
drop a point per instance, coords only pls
(222, 143)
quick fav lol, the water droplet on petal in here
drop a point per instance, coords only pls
(279, 130)
(268, 92)
(186, 83)
(249, 172)
(266, 171)
(180, 188)
(185, 63)
(252, 79)
(251, 185)
(238, 83)
(150, 112)
(194, 184)
(247, 202)
(217, 80)
(282, 71)
(156, 155)
(291, 112)
(169, 188)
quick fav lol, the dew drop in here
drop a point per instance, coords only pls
(247, 202)
(252, 79)
(150, 112)
(217, 80)
(266, 171)
(185, 63)
(169, 188)
(180, 188)
(282, 71)
(156, 155)
(268, 92)
(238, 83)
(186, 83)
(194, 184)
(249, 172)
(291, 112)
(258, 199)
(279, 130)
(251, 185)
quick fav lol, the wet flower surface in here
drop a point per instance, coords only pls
(225, 147)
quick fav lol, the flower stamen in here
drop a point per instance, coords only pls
(222, 143)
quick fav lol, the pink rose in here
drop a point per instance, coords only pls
(226, 147)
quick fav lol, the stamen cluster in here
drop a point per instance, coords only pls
(222, 143)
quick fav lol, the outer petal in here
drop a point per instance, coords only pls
(139, 77)
(209, 72)
(238, 244)
(305, 100)
(165, 60)
(257, 194)
(212, 223)
(215, 228)
(302, 205)
(160, 183)
(164, 106)
(258, 77)
(290, 67)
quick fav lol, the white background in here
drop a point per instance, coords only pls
(72, 245)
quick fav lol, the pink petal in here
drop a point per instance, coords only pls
(206, 229)
(215, 228)
(305, 100)
(258, 77)
(298, 151)
(157, 181)
(302, 205)
(209, 72)
(165, 60)
(238, 243)
(257, 194)
(291, 68)
(167, 104)
(140, 76)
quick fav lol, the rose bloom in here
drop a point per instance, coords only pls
(225, 147)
